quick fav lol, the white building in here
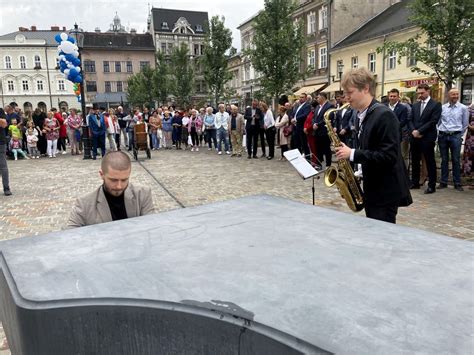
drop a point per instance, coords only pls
(29, 75)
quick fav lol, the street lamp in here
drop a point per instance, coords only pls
(86, 141)
(340, 69)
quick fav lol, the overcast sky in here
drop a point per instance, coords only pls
(133, 13)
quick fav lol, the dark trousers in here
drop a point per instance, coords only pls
(61, 143)
(252, 140)
(284, 148)
(261, 132)
(270, 133)
(98, 141)
(211, 137)
(419, 147)
(194, 137)
(4, 167)
(323, 149)
(300, 142)
(450, 143)
(382, 213)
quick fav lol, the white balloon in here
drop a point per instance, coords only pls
(64, 36)
(75, 54)
(66, 72)
(67, 47)
(78, 69)
(62, 57)
(70, 66)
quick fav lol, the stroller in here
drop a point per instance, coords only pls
(140, 141)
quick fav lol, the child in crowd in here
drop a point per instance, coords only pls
(32, 141)
(14, 130)
(16, 148)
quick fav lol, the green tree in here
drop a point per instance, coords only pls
(445, 42)
(182, 74)
(217, 42)
(141, 88)
(161, 79)
(278, 42)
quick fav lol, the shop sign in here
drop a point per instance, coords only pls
(414, 83)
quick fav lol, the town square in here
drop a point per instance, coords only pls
(209, 178)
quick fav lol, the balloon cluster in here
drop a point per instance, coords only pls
(77, 91)
(68, 55)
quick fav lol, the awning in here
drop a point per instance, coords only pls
(308, 89)
(333, 87)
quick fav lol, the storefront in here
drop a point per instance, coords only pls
(466, 90)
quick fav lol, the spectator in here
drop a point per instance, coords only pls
(155, 128)
(74, 131)
(253, 116)
(167, 130)
(3, 151)
(195, 125)
(38, 119)
(468, 160)
(310, 138)
(210, 128)
(61, 117)
(123, 127)
(32, 140)
(109, 119)
(270, 130)
(282, 122)
(236, 130)
(98, 130)
(51, 130)
(323, 143)
(177, 123)
(16, 148)
(222, 127)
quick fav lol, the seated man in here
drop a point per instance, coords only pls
(115, 199)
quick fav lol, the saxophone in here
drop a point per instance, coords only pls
(343, 176)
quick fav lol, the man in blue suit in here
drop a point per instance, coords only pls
(401, 111)
(98, 130)
(323, 143)
(299, 116)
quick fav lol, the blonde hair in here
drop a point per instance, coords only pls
(359, 78)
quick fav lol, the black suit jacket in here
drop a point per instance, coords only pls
(426, 123)
(258, 117)
(300, 114)
(343, 122)
(319, 119)
(401, 111)
(385, 179)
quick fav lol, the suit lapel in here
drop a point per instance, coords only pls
(130, 203)
(103, 208)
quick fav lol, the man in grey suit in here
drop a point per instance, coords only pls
(116, 199)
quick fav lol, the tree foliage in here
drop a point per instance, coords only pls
(446, 40)
(141, 88)
(183, 75)
(217, 42)
(278, 42)
(161, 79)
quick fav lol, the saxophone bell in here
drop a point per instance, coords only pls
(330, 176)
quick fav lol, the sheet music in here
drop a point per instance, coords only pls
(300, 164)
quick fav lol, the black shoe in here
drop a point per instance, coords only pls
(458, 187)
(7, 192)
(414, 186)
(249, 157)
(263, 155)
(269, 158)
(442, 186)
(430, 190)
(255, 157)
(94, 158)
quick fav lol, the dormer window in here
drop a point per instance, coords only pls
(198, 28)
(164, 26)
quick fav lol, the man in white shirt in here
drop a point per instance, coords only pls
(222, 127)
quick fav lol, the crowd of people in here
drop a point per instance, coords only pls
(232, 131)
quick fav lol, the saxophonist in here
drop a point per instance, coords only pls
(377, 149)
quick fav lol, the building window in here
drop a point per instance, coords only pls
(39, 85)
(119, 86)
(61, 85)
(129, 67)
(163, 48)
(372, 62)
(170, 48)
(37, 62)
(198, 28)
(312, 59)
(22, 62)
(89, 66)
(164, 26)
(196, 49)
(323, 18)
(8, 62)
(11, 86)
(311, 22)
(323, 58)
(340, 68)
(355, 62)
(143, 65)
(118, 67)
(411, 59)
(91, 86)
(108, 87)
(25, 85)
(392, 59)
(432, 46)
(106, 67)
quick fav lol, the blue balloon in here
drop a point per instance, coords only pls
(71, 39)
(73, 72)
(78, 79)
(76, 62)
(58, 38)
(70, 57)
(62, 65)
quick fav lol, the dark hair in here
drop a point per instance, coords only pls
(323, 94)
(314, 103)
(395, 91)
(424, 87)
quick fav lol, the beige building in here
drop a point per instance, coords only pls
(110, 59)
(359, 49)
(234, 85)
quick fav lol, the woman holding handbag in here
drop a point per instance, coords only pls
(74, 131)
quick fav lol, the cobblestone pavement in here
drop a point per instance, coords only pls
(44, 190)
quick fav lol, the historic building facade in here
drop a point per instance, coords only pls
(170, 28)
(29, 74)
(109, 59)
